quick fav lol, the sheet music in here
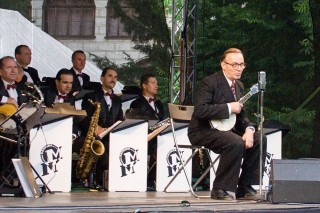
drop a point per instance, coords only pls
(157, 131)
(109, 129)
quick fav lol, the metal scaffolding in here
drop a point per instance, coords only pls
(184, 46)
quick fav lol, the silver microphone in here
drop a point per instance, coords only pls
(262, 80)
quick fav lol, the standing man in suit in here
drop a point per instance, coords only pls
(146, 105)
(111, 111)
(61, 93)
(23, 56)
(80, 79)
(217, 98)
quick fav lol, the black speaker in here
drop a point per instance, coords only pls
(295, 181)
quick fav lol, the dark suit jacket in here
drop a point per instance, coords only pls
(142, 109)
(20, 87)
(76, 86)
(106, 117)
(34, 75)
(50, 97)
(211, 103)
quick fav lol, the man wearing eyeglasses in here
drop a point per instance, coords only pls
(216, 99)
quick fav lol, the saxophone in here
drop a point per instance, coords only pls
(92, 149)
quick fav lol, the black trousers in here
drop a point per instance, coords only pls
(8, 150)
(232, 150)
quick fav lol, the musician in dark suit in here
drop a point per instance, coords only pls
(148, 107)
(61, 93)
(215, 100)
(10, 93)
(80, 79)
(23, 57)
(111, 111)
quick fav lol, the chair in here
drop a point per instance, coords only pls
(184, 113)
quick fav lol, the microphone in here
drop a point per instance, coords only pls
(262, 80)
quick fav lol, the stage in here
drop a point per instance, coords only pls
(141, 202)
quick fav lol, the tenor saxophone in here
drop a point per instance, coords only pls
(92, 149)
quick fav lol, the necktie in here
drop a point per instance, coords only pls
(108, 94)
(80, 75)
(63, 97)
(151, 100)
(11, 86)
(233, 88)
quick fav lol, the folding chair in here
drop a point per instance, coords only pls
(184, 113)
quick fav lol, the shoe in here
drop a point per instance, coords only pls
(220, 194)
(246, 192)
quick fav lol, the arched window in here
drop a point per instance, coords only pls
(115, 29)
(69, 18)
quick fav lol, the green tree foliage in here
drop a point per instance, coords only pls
(151, 36)
(314, 10)
(22, 6)
(276, 38)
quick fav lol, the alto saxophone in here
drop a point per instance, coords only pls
(92, 149)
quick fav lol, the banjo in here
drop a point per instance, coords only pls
(227, 124)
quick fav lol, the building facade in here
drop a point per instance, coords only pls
(87, 25)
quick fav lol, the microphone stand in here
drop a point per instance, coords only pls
(262, 84)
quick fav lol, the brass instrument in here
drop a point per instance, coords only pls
(92, 149)
(159, 124)
(7, 110)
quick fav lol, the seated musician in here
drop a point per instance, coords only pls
(61, 93)
(110, 112)
(10, 93)
(147, 105)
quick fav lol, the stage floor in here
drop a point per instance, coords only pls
(141, 202)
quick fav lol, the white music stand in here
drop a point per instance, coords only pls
(51, 149)
(128, 156)
(167, 161)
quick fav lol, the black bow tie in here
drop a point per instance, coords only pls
(11, 86)
(80, 75)
(63, 97)
(151, 100)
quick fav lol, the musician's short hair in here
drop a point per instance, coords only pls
(18, 49)
(63, 71)
(3, 59)
(105, 70)
(75, 53)
(228, 51)
(145, 78)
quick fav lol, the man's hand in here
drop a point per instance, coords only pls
(236, 107)
(248, 138)
(100, 130)
(13, 101)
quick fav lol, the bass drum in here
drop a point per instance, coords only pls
(6, 110)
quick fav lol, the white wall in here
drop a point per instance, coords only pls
(110, 48)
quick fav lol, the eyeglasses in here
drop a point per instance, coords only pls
(236, 65)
